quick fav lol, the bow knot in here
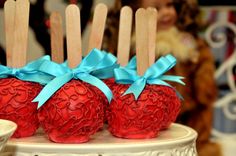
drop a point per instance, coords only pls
(74, 73)
(153, 75)
(15, 71)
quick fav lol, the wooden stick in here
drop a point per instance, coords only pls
(56, 37)
(19, 56)
(73, 35)
(124, 36)
(98, 27)
(152, 28)
(141, 41)
(9, 20)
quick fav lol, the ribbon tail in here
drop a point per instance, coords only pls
(177, 79)
(136, 88)
(178, 94)
(160, 82)
(97, 83)
(51, 88)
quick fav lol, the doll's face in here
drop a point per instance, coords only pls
(166, 12)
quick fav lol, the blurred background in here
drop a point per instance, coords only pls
(216, 13)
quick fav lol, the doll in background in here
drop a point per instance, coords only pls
(177, 29)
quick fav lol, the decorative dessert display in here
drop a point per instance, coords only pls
(76, 105)
(150, 108)
(19, 83)
(75, 98)
(80, 94)
(139, 110)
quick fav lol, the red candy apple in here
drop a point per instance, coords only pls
(15, 105)
(145, 117)
(72, 114)
(104, 101)
(110, 83)
(172, 105)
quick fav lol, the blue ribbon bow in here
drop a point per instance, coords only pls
(132, 63)
(88, 70)
(105, 68)
(29, 72)
(153, 75)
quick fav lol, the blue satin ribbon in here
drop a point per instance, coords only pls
(132, 63)
(88, 71)
(29, 72)
(105, 69)
(153, 75)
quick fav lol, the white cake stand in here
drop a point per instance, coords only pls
(178, 140)
(7, 128)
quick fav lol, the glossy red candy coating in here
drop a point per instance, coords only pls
(72, 114)
(15, 105)
(145, 117)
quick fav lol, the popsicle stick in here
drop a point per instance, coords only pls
(98, 26)
(56, 37)
(73, 35)
(152, 28)
(19, 55)
(141, 32)
(9, 20)
(124, 36)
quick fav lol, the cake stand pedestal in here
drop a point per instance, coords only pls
(178, 140)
